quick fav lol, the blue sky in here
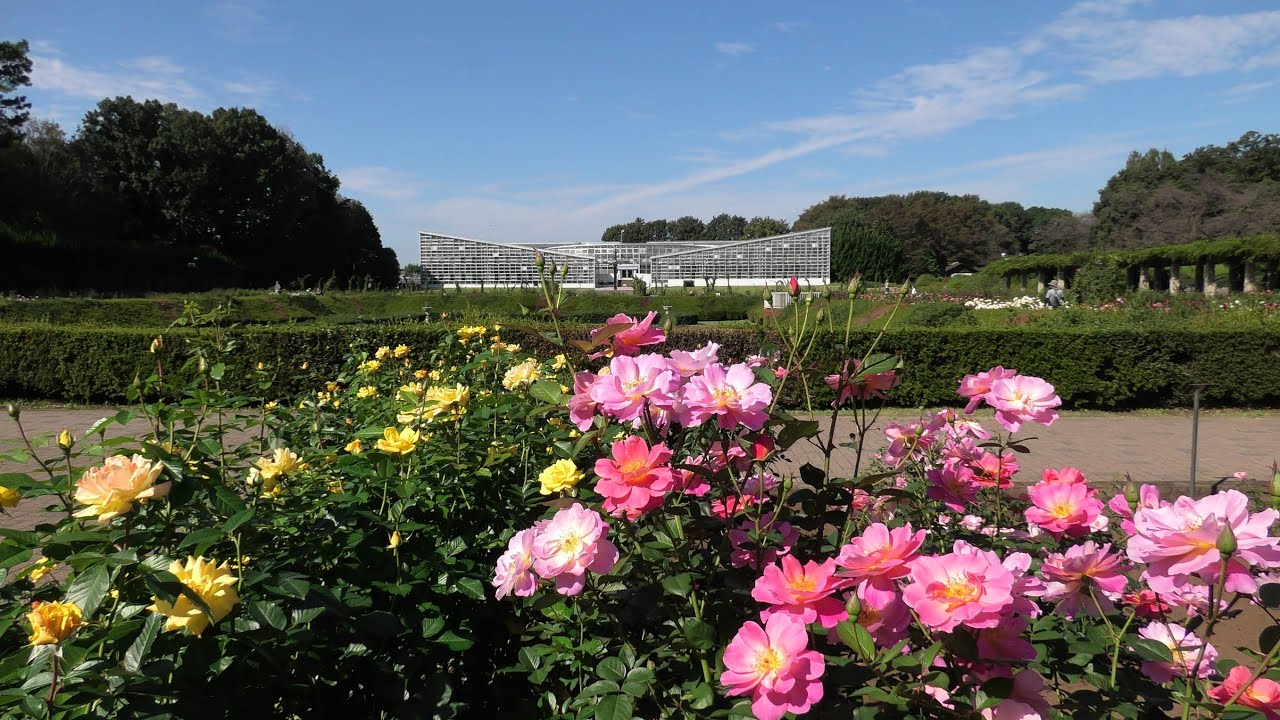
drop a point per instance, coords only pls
(550, 121)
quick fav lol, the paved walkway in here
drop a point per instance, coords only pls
(1150, 448)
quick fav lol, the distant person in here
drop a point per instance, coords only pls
(1054, 297)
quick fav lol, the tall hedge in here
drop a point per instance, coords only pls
(1111, 368)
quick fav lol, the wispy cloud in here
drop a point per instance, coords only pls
(239, 21)
(1249, 88)
(786, 25)
(1100, 42)
(735, 48)
(143, 77)
(256, 89)
(381, 182)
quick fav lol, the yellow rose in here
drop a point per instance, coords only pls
(355, 447)
(272, 406)
(520, 375)
(395, 540)
(415, 389)
(40, 569)
(214, 584)
(419, 374)
(112, 488)
(331, 387)
(561, 362)
(282, 462)
(367, 391)
(511, 348)
(262, 366)
(9, 497)
(65, 441)
(434, 375)
(51, 623)
(561, 475)
(402, 442)
(157, 345)
(401, 351)
(372, 366)
(383, 353)
(451, 400)
(305, 364)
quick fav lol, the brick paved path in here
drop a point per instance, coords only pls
(1151, 448)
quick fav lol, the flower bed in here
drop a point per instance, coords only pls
(606, 533)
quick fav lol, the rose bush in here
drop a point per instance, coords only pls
(464, 530)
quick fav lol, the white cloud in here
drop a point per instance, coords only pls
(379, 181)
(257, 89)
(1248, 88)
(735, 48)
(150, 77)
(786, 25)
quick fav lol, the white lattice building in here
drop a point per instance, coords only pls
(452, 261)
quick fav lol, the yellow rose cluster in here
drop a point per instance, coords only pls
(521, 375)
(269, 470)
(467, 333)
(214, 584)
(448, 401)
(398, 442)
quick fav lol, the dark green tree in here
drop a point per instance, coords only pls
(15, 72)
(725, 228)
(760, 227)
(857, 247)
(686, 229)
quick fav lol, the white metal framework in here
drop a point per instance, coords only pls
(449, 260)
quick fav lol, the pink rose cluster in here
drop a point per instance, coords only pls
(1016, 398)
(848, 383)
(563, 550)
(686, 387)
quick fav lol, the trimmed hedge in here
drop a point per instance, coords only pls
(1263, 248)
(1091, 368)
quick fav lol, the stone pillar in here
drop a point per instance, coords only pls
(1144, 278)
(1062, 279)
(1175, 279)
(1250, 277)
(1210, 270)
(1041, 281)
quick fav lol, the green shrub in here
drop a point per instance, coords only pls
(978, 284)
(1099, 281)
(941, 315)
(1098, 367)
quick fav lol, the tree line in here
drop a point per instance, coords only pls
(721, 228)
(148, 196)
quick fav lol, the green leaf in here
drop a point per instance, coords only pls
(454, 641)
(237, 520)
(598, 688)
(268, 614)
(472, 588)
(1269, 594)
(701, 696)
(700, 634)
(615, 707)
(89, 587)
(217, 370)
(291, 584)
(611, 668)
(1268, 638)
(857, 638)
(547, 391)
(137, 652)
(678, 585)
(1152, 650)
